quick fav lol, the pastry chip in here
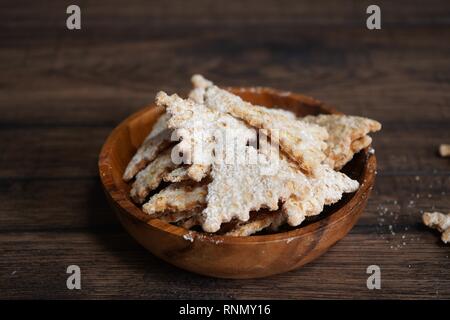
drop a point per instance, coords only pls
(198, 171)
(444, 150)
(177, 197)
(439, 221)
(325, 189)
(347, 135)
(279, 112)
(177, 175)
(242, 188)
(149, 150)
(159, 126)
(206, 134)
(303, 142)
(194, 172)
(356, 146)
(201, 84)
(260, 222)
(150, 178)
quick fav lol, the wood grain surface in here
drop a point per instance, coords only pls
(61, 93)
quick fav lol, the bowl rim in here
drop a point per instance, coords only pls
(121, 198)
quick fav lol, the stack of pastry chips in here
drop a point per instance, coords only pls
(237, 168)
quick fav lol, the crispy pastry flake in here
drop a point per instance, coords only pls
(156, 141)
(444, 150)
(177, 197)
(439, 221)
(159, 126)
(303, 142)
(150, 178)
(260, 222)
(347, 135)
(242, 188)
(205, 133)
(177, 175)
(198, 94)
(194, 172)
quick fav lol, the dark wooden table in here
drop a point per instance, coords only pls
(61, 93)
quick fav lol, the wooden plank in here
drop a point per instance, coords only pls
(58, 205)
(55, 204)
(51, 152)
(56, 87)
(114, 266)
(72, 152)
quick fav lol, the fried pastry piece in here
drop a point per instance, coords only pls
(326, 189)
(149, 179)
(356, 146)
(198, 92)
(178, 217)
(279, 112)
(177, 197)
(260, 222)
(242, 188)
(157, 140)
(205, 133)
(444, 150)
(347, 135)
(303, 142)
(159, 126)
(198, 171)
(194, 172)
(439, 221)
(147, 153)
(201, 84)
(177, 175)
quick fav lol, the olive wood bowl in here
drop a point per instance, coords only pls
(253, 256)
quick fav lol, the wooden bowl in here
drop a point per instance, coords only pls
(222, 256)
